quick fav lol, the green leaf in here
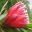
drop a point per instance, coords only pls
(2, 2)
(2, 16)
(10, 3)
(29, 25)
(23, 30)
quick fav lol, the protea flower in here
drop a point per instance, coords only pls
(17, 16)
